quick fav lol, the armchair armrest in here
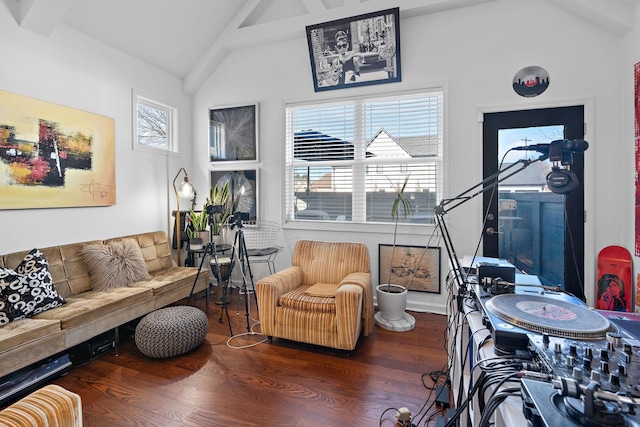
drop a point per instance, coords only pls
(269, 290)
(361, 280)
(357, 277)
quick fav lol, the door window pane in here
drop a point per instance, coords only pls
(530, 217)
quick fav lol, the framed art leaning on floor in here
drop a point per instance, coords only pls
(417, 268)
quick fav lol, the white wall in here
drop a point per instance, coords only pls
(475, 51)
(73, 70)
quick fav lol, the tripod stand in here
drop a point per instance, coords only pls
(211, 250)
(240, 251)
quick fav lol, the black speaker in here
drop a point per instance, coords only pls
(561, 181)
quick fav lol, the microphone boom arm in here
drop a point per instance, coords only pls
(446, 205)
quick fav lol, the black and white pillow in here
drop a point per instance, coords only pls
(27, 290)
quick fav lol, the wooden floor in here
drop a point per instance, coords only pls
(282, 383)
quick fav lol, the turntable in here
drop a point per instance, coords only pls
(511, 317)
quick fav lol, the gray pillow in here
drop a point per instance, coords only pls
(114, 265)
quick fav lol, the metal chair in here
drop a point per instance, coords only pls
(260, 239)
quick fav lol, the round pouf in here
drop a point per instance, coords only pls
(171, 331)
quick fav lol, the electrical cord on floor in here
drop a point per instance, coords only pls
(400, 415)
(429, 412)
(245, 334)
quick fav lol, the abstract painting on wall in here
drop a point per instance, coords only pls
(52, 156)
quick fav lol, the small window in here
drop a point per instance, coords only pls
(156, 127)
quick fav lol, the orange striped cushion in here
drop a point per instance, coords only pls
(323, 290)
(298, 299)
(50, 406)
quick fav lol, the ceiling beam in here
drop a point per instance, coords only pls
(218, 51)
(314, 6)
(41, 16)
(236, 36)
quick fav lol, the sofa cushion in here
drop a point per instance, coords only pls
(299, 299)
(155, 249)
(70, 277)
(24, 331)
(92, 305)
(171, 278)
(116, 264)
(27, 290)
(323, 290)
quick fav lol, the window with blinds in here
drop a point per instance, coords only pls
(346, 160)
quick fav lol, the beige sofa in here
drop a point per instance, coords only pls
(87, 312)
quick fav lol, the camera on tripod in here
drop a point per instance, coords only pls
(214, 209)
(237, 218)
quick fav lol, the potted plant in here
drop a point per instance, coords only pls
(218, 198)
(195, 241)
(199, 222)
(392, 298)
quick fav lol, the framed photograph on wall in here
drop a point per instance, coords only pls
(357, 51)
(243, 189)
(417, 268)
(233, 133)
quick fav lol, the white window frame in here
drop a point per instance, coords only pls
(291, 222)
(172, 125)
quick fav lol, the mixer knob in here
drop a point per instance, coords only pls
(614, 339)
(595, 376)
(545, 338)
(604, 367)
(604, 354)
(611, 347)
(615, 379)
(586, 364)
(573, 350)
(627, 358)
(627, 348)
(622, 370)
(571, 361)
(588, 352)
(577, 373)
(557, 347)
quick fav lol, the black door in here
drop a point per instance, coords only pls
(539, 231)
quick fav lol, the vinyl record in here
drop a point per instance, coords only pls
(551, 316)
(531, 81)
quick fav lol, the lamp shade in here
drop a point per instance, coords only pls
(186, 189)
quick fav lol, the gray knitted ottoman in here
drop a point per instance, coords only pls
(171, 331)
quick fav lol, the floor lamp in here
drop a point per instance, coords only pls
(184, 191)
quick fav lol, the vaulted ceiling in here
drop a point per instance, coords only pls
(190, 38)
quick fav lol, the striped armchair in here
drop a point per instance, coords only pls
(325, 297)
